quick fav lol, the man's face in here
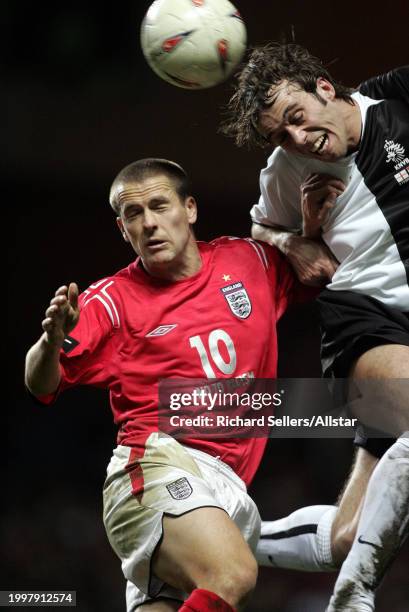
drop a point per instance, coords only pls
(301, 123)
(158, 225)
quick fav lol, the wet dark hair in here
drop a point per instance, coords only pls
(142, 169)
(268, 66)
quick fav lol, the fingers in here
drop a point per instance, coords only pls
(57, 310)
(322, 214)
(322, 179)
(62, 314)
(319, 190)
(59, 306)
(318, 196)
(73, 292)
(65, 295)
(319, 185)
(52, 324)
(61, 290)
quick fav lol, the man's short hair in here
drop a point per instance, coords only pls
(142, 169)
(267, 66)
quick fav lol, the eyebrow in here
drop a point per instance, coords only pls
(154, 201)
(159, 200)
(273, 99)
(288, 110)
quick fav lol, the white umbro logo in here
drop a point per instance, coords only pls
(161, 330)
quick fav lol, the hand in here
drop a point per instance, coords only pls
(318, 195)
(312, 261)
(62, 315)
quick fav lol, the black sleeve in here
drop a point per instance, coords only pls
(392, 84)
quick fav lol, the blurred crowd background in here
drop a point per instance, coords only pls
(80, 102)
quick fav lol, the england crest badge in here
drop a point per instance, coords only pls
(238, 299)
(180, 488)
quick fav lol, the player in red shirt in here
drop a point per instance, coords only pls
(177, 515)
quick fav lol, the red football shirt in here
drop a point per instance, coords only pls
(135, 330)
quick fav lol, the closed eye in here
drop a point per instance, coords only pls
(159, 207)
(296, 119)
(159, 204)
(132, 213)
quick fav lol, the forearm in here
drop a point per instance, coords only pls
(42, 369)
(276, 236)
(311, 232)
(310, 259)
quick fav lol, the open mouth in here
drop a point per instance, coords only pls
(319, 144)
(155, 244)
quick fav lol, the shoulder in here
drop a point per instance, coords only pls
(112, 284)
(229, 243)
(283, 169)
(259, 251)
(277, 161)
(392, 84)
(104, 298)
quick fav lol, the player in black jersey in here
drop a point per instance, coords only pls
(347, 153)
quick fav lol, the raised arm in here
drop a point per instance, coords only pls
(42, 371)
(318, 195)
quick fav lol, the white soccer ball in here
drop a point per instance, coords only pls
(193, 44)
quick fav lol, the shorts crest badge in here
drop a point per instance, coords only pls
(238, 300)
(180, 488)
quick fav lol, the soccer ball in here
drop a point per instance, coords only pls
(193, 44)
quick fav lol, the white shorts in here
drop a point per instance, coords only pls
(170, 479)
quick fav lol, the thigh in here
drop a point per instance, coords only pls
(139, 492)
(352, 325)
(384, 361)
(200, 545)
(231, 494)
(379, 388)
(211, 545)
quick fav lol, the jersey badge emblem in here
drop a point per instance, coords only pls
(395, 153)
(180, 488)
(238, 300)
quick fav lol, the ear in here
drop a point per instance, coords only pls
(325, 89)
(122, 229)
(191, 209)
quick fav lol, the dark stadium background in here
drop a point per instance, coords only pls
(80, 103)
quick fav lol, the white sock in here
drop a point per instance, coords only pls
(382, 529)
(300, 541)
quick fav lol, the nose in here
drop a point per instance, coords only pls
(297, 134)
(149, 219)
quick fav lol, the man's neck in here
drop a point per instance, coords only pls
(353, 123)
(189, 265)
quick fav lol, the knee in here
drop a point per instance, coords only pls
(236, 582)
(246, 577)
